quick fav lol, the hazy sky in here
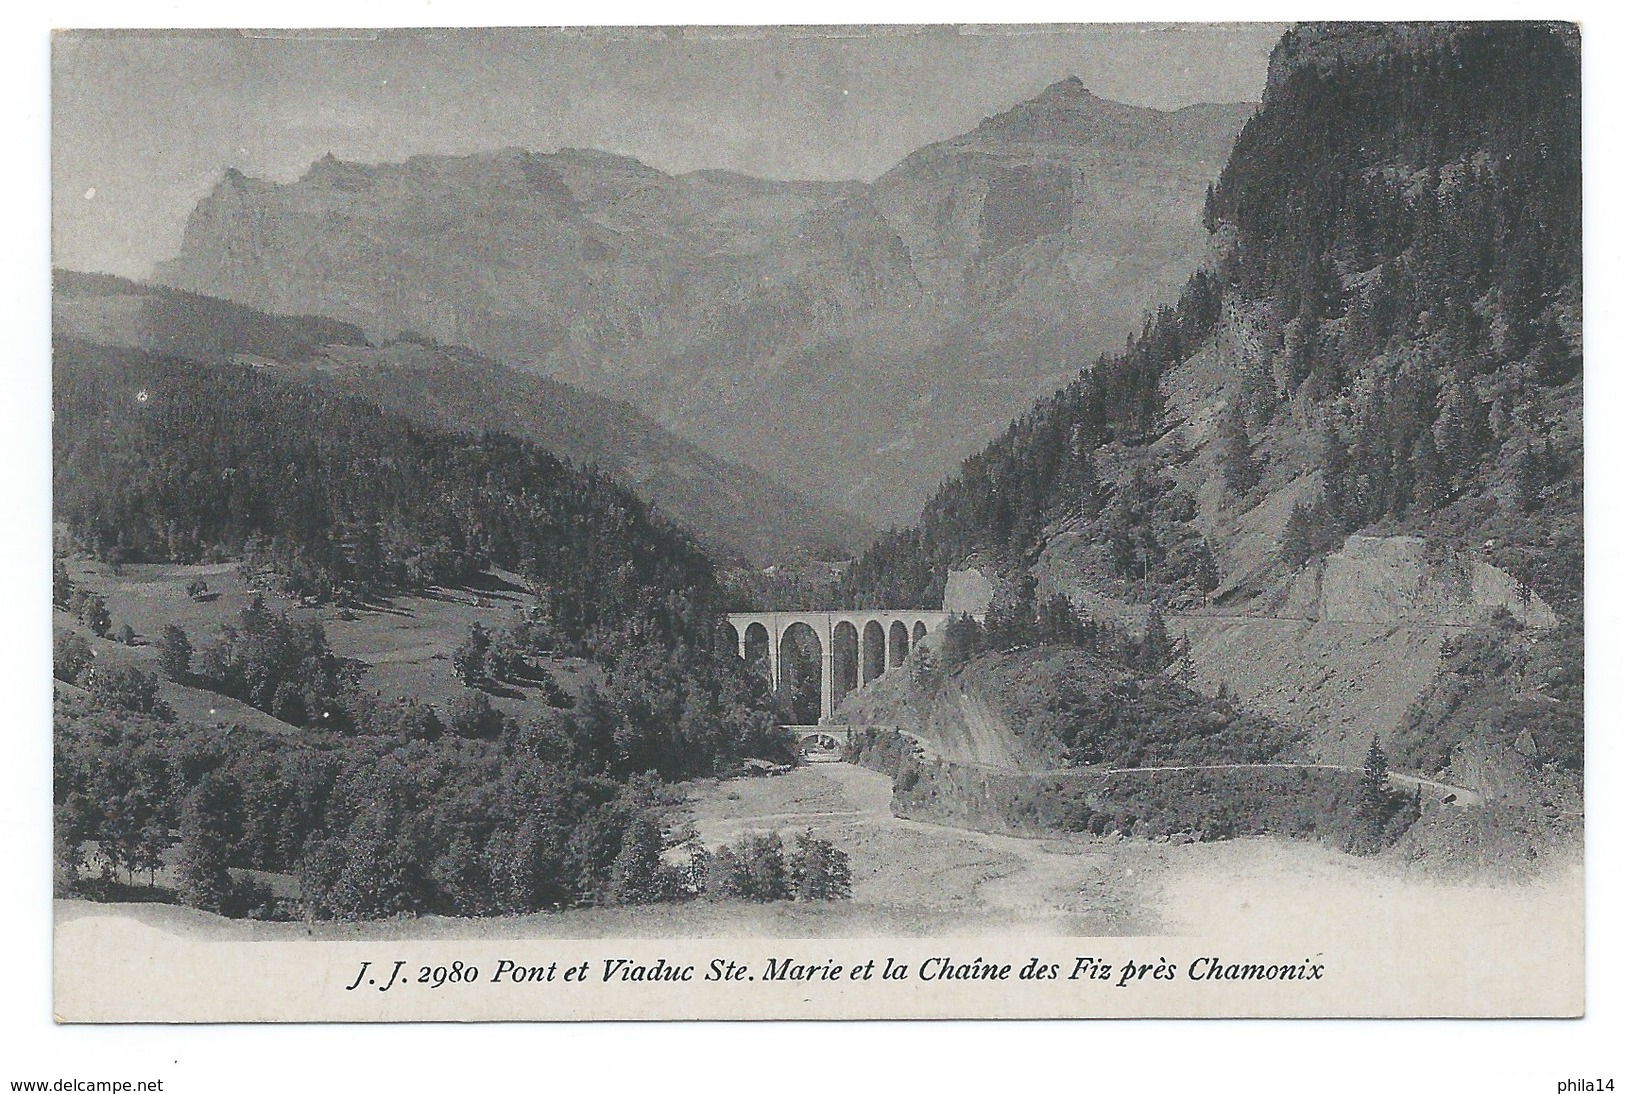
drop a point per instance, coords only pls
(143, 123)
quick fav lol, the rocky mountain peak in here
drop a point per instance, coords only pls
(1068, 113)
(1067, 89)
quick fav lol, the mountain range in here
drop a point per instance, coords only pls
(853, 340)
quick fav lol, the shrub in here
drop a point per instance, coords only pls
(553, 695)
(61, 584)
(638, 876)
(924, 673)
(128, 688)
(962, 639)
(884, 750)
(472, 715)
(694, 874)
(818, 870)
(752, 869)
(468, 661)
(91, 610)
(175, 653)
(70, 657)
(403, 718)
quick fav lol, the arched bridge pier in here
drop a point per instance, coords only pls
(854, 648)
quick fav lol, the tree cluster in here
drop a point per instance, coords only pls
(282, 667)
(374, 826)
(369, 825)
(680, 711)
(757, 868)
(1023, 621)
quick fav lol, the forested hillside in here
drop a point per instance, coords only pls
(1398, 246)
(1385, 341)
(1340, 474)
(118, 312)
(1046, 464)
(736, 514)
(164, 460)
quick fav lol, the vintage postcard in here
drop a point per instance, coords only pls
(839, 522)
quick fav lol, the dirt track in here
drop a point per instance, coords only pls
(1061, 886)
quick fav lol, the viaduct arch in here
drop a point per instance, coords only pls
(859, 646)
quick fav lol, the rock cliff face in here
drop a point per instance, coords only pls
(855, 340)
(1352, 640)
(1399, 580)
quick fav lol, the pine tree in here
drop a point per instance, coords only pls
(468, 659)
(1464, 430)
(1058, 622)
(1335, 498)
(175, 653)
(204, 880)
(1010, 622)
(1375, 802)
(1428, 487)
(1240, 470)
(1158, 649)
(1529, 478)
(1296, 536)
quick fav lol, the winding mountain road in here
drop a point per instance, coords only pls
(1463, 796)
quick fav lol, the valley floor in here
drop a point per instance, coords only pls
(927, 880)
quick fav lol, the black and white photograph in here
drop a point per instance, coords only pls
(779, 522)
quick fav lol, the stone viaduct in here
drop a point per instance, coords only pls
(854, 648)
